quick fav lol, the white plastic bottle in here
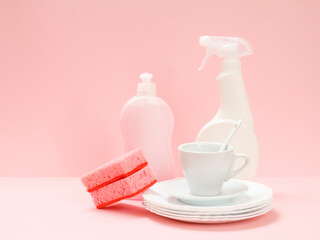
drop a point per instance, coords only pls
(147, 122)
(234, 103)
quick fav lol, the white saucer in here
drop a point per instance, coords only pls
(257, 201)
(231, 189)
(257, 195)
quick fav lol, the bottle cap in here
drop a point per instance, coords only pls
(146, 77)
(146, 87)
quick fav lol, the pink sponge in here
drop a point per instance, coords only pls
(118, 179)
(124, 188)
(114, 170)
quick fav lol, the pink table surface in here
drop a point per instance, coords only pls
(60, 208)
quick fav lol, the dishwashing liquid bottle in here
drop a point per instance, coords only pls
(147, 122)
(234, 104)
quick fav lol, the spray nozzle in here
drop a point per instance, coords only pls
(225, 47)
(146, 77)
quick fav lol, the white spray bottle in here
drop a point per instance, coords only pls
(234, 104)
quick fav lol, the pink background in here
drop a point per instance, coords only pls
(68, 67)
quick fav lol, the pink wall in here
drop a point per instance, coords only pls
(67, 68)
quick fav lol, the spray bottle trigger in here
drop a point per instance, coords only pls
(209, 53)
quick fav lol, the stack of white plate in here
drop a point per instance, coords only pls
(239, 200)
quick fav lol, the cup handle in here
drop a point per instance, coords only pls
(233, 173)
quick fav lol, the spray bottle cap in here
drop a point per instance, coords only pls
(146, 87)
(225, 47)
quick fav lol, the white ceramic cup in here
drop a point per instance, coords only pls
(206, 169)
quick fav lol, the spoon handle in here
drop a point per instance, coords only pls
(230, 135)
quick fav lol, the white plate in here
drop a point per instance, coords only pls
(256, 195)
(227, 213)
(243, 215)
(208, 219)
(231, 189)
